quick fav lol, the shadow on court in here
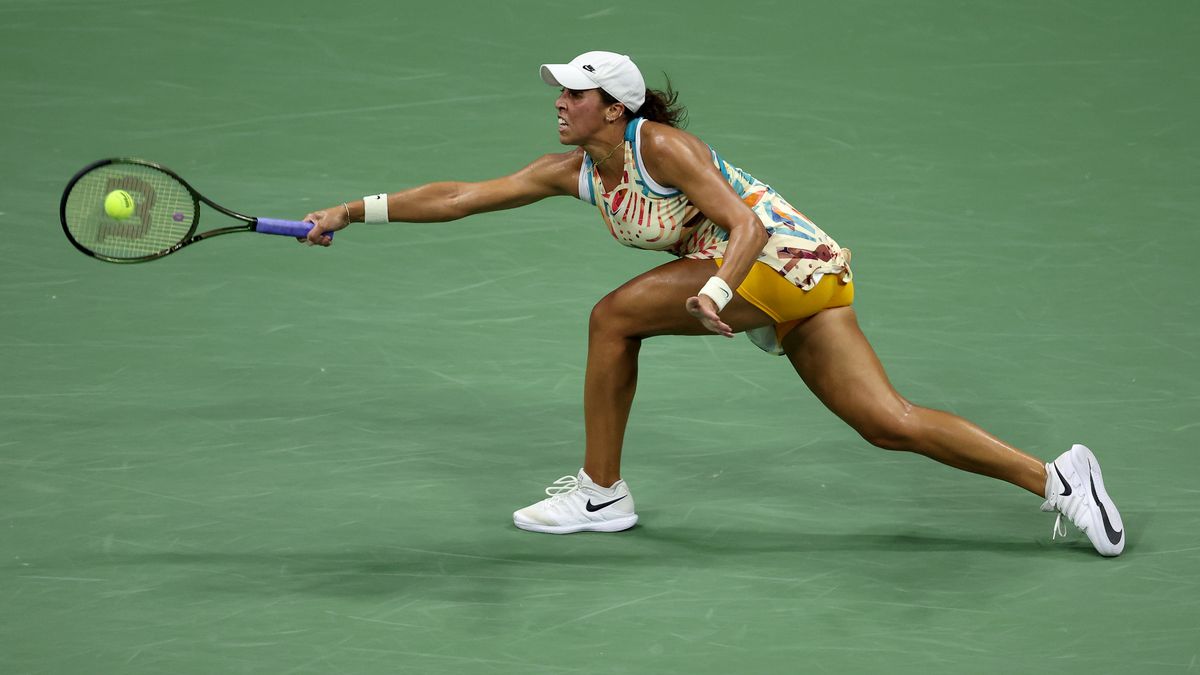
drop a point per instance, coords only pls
(481, 570)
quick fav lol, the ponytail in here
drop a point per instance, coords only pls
(660, 106)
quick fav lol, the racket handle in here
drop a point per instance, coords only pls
(287, 228)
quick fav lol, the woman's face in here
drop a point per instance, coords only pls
(581, 114)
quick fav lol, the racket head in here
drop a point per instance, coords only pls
(166, 211)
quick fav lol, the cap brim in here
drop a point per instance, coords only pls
(566, 75)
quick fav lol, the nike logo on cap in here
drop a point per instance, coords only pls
(592, 508)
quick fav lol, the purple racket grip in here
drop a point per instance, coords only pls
(287, 228)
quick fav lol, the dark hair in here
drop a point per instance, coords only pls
(660, 106)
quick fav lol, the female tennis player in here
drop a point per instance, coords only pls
(658, 187)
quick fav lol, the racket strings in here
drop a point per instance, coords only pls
(164, 211)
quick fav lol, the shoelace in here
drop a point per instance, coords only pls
(1071, 511)
(563, 486)
(1059, 530)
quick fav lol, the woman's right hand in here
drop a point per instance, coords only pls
(327, 220)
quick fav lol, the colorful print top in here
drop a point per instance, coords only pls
(643, 214)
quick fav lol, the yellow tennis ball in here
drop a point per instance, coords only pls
(118, 204)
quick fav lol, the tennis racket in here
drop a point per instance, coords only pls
(166, 211)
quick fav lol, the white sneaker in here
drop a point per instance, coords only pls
(1075, 489)
(576, 504)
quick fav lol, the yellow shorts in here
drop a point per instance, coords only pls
(785, 302)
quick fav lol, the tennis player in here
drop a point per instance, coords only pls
(746, 261)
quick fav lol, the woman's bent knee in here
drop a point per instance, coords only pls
(899, 430)
(610, 315)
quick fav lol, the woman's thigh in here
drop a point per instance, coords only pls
(831, 354)
(652, 303)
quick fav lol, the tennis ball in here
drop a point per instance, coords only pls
(118, 204)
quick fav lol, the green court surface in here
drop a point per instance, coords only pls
(257, 457)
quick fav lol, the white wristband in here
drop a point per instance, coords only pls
(375, 208)
(718, 290)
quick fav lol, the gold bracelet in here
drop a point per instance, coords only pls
(347, 207)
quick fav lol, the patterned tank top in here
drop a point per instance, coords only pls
(643, 214)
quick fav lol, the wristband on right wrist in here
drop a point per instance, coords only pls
(375, 208)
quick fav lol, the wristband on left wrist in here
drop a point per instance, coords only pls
(718, 290)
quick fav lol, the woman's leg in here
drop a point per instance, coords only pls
(650, 304)
(837, 363)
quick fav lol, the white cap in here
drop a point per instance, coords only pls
(614, 73)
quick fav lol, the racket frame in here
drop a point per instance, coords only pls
(191, 237)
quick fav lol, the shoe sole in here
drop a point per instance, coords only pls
(614, 525)
(1087, 464)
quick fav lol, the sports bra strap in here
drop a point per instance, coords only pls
(631, 129)
(586, 191)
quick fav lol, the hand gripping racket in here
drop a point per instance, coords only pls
(163, 219)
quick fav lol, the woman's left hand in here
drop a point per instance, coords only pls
(705, 310)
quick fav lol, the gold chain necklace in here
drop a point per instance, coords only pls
(610, 153)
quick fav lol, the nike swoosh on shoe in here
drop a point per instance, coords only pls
(592, 508)
(1066, 486)
(1114, 536)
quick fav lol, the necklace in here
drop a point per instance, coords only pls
(610, 153)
